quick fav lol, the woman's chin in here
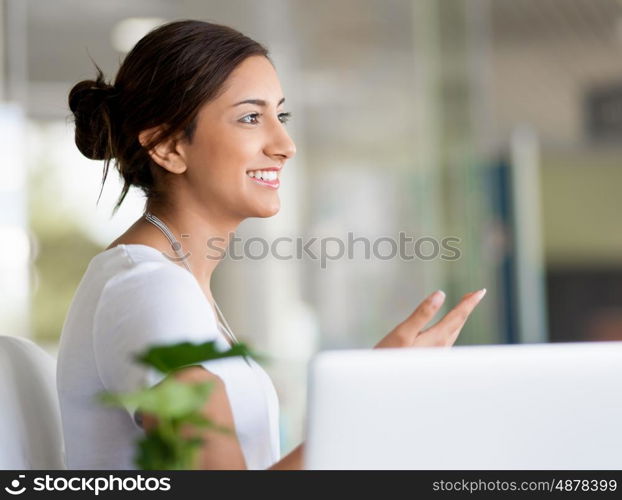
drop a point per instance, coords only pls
(268, 210)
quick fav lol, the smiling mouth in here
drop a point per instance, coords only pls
(267, 178)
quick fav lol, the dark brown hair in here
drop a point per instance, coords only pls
(163, 81)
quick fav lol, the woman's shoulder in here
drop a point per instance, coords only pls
(138, 258)
(137, 264)
(131, 274)
(148, 292)
(134, 252)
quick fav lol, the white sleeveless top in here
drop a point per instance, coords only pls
(130, 297)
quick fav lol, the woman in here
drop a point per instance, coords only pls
(195, 119)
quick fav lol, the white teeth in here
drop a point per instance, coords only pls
(266, 175)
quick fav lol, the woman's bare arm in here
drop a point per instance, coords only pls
(292, 461)
(219, 450)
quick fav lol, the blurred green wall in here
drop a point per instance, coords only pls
(582, 209)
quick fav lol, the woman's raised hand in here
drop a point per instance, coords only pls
(410, 333)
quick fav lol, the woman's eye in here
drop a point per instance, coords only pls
(252, 118)
(285, 117)
(252, 115)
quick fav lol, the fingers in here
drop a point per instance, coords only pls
(406, 332)
(447, 329)
(424, 312)
(410, 332)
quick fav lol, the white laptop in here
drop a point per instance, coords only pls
(530, 406)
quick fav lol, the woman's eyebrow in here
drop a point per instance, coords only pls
(258, 102)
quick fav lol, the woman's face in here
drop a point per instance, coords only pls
(240, 132)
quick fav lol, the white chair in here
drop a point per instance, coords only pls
(30, 425)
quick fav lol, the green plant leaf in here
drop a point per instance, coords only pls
(168, 358)
(168, 399)
(198, 419)
(201, 421)
(155, 451)
(174, 404)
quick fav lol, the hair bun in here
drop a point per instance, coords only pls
(92, 105)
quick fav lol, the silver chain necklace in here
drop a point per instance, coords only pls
(177, 247)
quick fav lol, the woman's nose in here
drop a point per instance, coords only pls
(281, 144)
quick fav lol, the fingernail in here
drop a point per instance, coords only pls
(481, 293)
(438, 297)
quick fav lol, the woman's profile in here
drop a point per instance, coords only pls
(196, 119)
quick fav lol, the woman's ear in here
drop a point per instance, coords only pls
(166, 153)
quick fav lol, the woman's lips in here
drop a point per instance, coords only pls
(268, 177)
(274, 184)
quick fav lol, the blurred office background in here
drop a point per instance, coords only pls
(498, 122)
